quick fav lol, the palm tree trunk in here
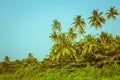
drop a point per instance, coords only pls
(113, 26)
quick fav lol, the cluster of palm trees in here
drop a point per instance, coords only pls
(90, 48)
(8, 66)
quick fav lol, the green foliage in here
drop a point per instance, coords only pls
(90, 58)
(30, 60)
(98, 50)
(79, 24)
(56, 25)
(71, 34)
(67, 72)
(62, 48)
(6, 59)
(111, 14)
(96, 19)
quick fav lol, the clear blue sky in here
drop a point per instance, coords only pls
(25, 25)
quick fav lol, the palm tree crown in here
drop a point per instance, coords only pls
(79, 24)
(71, 34)
(6, 59)
(63, 47)
(112, 13)
(54, 36)
(96, 19)
(56, 25)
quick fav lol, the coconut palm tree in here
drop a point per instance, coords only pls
(105, 38)
(111, 14)
(90, 48)
(79, 47)
(30, 56)
(108, 45)
(6, 59)
(79, 24)
(96, 19)
(63, 48)
(31, 59)
(54, 36)
(56, 25)
(71, 34)
(117, 39)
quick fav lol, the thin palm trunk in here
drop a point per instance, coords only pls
(113, 26)
(111, 14)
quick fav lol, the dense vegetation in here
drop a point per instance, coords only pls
(91, 58)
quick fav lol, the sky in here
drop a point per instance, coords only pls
(25, 25)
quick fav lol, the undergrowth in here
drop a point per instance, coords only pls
(67, 72)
